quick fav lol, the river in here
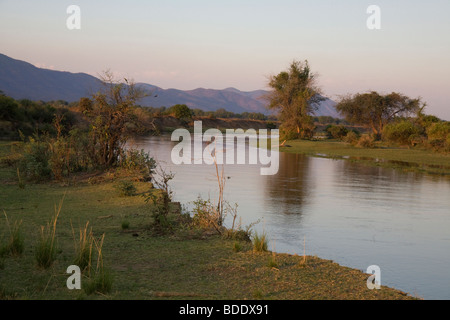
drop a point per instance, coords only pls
(355, 215)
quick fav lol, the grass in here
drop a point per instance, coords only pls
(15, 243)
(260, 242)
(134, 264)
(414, 159)
(46, 248)
(83, 247)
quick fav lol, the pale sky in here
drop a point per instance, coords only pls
(238, 43)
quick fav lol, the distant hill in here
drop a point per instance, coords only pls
(22, 80)
(206, 99)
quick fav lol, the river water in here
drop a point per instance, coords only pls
(355, 215)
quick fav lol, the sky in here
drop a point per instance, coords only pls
(218, 44)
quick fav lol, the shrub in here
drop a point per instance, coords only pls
(125, 188)
(125, 225)
(351, 137)
(438, 135)
(160, 212)
(206, 215)
(366, 141)
(140, 162)
(35, 160)
(403, 132)
(337, 132)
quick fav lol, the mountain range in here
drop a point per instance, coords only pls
(22, 80)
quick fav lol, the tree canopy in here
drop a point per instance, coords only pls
(375, 111)
(294, 95)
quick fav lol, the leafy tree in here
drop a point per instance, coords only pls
(181, 111)
(375, 111)
(294, 94)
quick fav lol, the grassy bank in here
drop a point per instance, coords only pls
(183, 265)
(417, 160)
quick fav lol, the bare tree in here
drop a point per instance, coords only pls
(108, 114)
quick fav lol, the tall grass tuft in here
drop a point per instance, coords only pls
(46, 248)
(272, 262)
(260, 242)
(101, 280)
(15, 243)
(83, 248)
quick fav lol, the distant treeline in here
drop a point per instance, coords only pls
(220, 113)
(26, 117)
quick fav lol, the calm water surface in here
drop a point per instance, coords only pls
(357, 216)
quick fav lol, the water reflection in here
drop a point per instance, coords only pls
(288, 190)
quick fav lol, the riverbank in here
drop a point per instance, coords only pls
(414, 159)
(182, 265)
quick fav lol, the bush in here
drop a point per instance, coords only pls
(125, 225)
(160, 210)
(138, 161)
(403, 132)
(438, 135)
(125, 188)
(206, 215)
(366, 141)
(35, 160)
(337, 132)
(351, 137)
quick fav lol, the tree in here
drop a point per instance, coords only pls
(375, 111)
(181, 111)
(109, 113)
(295, 95)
